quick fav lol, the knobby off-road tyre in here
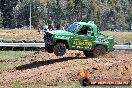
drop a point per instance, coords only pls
(99, 51)
(48, 48)
(59, 49)
(88, 54)
(84, 81)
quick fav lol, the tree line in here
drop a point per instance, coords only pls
(105, 13)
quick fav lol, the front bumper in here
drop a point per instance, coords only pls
(49, 42)
(48, 38)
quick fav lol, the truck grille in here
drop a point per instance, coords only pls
(47, 36)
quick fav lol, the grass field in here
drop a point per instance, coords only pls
(65, 85)
(14, 54)
(120, 37)
(7, 58)
(9, 65)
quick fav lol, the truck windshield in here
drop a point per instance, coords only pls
(73, 27)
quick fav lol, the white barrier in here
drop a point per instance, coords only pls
(122, 47)
(22, 44)
(117, 47)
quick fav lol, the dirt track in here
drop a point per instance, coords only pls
(47, 68)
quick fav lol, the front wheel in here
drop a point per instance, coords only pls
(48, 48)
(59, 49)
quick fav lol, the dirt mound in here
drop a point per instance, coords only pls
(47, 68)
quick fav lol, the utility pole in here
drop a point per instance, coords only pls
(30, 16)
(106, 3)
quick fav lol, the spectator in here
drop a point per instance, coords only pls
(45, 27)
(50, 27)
(39, 30)
(58, 27)
(63, 27)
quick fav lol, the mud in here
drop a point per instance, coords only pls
(48, 68)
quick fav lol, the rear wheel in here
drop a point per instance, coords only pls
(99, 51)
(59, 49)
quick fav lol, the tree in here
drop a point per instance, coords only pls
(22, 13)
(6, 7)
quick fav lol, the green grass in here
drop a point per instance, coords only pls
(120, 37)
(9, 65)
(64, 85)
(16, 85)
(14, 54)
(7, 58)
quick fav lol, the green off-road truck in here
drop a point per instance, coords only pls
(81, 36)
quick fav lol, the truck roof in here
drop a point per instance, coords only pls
(88, 24)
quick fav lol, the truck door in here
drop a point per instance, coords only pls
(82, 40)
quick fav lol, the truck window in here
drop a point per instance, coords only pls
(73, 27)
(85, 30)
